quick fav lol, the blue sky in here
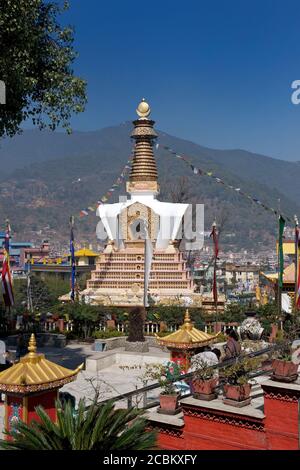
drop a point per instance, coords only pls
(217, 72)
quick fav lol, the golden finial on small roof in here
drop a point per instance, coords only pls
(187, 337)
(187, 320)
(143, 109)
(32, 346)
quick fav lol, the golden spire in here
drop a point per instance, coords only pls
(32, 347)
(187, 320)
(143, 175)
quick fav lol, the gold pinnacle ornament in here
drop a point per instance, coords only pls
(143, 109)
(143, 175)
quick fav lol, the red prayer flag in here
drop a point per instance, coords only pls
(214, 235)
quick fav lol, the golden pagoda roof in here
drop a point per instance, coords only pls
(85, 252)
(288, 275)
(35, 373)
(187, 337)
(82, 252)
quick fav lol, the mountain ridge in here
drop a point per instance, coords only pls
(41, 191)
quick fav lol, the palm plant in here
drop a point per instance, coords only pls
(99, 427)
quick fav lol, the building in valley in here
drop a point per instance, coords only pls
(240, 277)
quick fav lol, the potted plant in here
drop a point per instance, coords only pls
(284, 369)
(237, 387)
(205, 380)
(165, 375)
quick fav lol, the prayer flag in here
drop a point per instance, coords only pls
(280, 248)
(7, 284)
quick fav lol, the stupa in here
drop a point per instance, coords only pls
(118, 278)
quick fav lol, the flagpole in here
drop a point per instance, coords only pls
(145, 301)
(216, 287)
(279, 273)
(296, 260)
(216, 252)
(281, 224)
(7, 284)
(148, 255)
(29, 297)
(8, 230)
(72, 261)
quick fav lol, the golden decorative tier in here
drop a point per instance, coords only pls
(143, 165)
(35, 373)
(187, 337)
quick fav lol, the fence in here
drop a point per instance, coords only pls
(149, 327)
(52, 325)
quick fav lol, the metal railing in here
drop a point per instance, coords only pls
(143, 391)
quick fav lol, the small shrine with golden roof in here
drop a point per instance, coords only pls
(84, 257)
(184, 342)
(288, 283)
(34, 381)
(118, 278)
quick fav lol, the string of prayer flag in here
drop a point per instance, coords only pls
(200, 172)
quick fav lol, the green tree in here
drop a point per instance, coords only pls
(56, 286)
(234, 312)
(268, 311)
(36, 65)
(85, 317)
(136, 325)
(100, 427)
(40, 294)
(175, 314)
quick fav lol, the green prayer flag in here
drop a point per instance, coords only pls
(280, 248)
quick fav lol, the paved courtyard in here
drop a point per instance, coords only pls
(111, 381)
(116, 379)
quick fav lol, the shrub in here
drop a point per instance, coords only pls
(279, 335)
(163, 374)
(202, 370)
(266, 325)
(70, 335)
(238, 373)
(161, 334)
(107, 334)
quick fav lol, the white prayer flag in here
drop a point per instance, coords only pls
(147, 261)
(286, 303)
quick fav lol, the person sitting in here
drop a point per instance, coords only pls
(208, 356)
(217, 352)
(232, 347)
